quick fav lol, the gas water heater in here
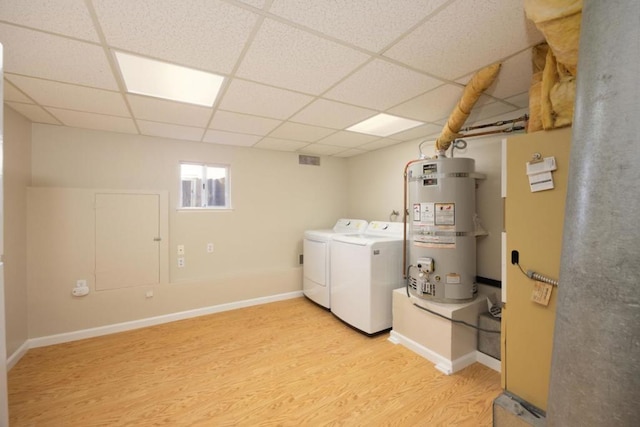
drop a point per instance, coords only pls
(442, 242)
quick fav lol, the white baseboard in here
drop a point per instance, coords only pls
(489, 362)
(141, 323)
(17, 355)
(443, 364)
(462, 362)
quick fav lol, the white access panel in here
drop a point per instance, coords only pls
(127, 240)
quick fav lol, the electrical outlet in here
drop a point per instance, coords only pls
(180, 262)
(81, 288)
(180, 249)
(210, 248)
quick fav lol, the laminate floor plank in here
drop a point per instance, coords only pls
(288, 363)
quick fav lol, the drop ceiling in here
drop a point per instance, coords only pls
(297, 73)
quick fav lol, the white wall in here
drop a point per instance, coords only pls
(256, 244)
(376, 188)
(17, 176)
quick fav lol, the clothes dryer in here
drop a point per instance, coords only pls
(365, 269)
(316, 265)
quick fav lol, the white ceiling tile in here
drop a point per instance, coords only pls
(280, 144)
(259, 4)
(71, 97)
(514, 76)
(331, 114)
(418, 132)
(230, 138)
(431, 106)
(381, 85)
(243, 123)
(514, 114)
(160, 110)
(11, 93)
(284, 56)
(79, 119)
(521, 100)
(68, 17)
(300, 132)
(307, 74)
(371, 25)
(321, 150)
(380, 143)
(348, 139)
(253, 98)
(208, 35)
(34, 113)
(350, 153)
(165, 130)
(483, 112)
(466, 36)
(37, 54)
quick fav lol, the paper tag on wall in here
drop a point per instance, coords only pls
(541, 293)
(541, 181)
(539, 173)
(547, 164)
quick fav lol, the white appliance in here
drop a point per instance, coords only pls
(442, 250)
(316, 250)
(365, 270)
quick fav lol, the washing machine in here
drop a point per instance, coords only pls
(365, 269)
(316, 250)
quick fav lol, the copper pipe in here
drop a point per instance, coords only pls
(406, 214)
(492, 132)
(522, 118)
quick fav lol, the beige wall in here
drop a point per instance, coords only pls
(256, 244)
(376, 188)
(17, 175)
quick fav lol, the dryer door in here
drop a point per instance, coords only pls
(315, 261)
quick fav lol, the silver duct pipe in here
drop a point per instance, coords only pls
(595, 373)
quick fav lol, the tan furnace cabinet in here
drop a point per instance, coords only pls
(533, 225)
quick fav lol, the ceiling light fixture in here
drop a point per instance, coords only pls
(149, 77)
(384, 125)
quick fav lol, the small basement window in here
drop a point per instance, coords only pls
(204, 186)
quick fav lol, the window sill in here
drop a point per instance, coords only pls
(204, 209)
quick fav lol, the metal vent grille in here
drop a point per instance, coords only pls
(308, 160)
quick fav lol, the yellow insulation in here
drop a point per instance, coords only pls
(472, 91)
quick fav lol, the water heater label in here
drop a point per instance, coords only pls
(453, 278)
(429, 169)
(424, 213)
(445, 214)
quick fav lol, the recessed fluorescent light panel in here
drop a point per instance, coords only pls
(168, 81)
(384, 125)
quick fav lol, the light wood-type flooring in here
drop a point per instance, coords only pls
(287, 363)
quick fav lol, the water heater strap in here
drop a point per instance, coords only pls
(447, 175)
(445, 233)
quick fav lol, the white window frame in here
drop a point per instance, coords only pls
(205, 187)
